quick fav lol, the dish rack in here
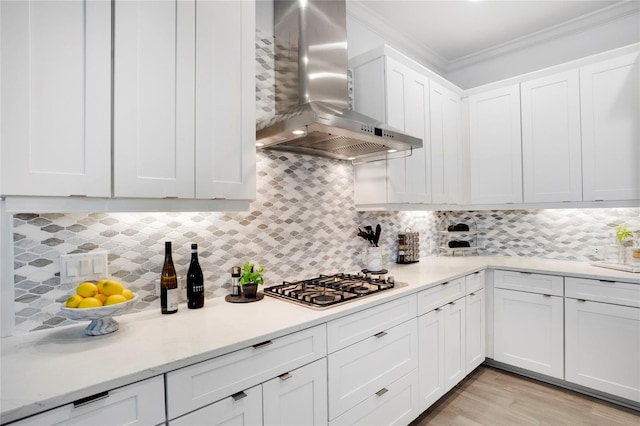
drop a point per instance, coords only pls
(470, 236)
(408, 247)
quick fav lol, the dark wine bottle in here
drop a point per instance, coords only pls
(169, 295)
(195, 281)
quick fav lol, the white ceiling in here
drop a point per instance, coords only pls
(457, 29)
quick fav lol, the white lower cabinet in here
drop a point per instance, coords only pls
(140, 403)
(199, 385)
(528, 322)
(475, 329)
(394, 404)
(242, 409)
(364, 369)
(602, 346)
(297, 398)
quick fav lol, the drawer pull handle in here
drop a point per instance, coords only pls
(438, 309)
(238, 396)
(262, 345)
(546, 295)
(285, 376)
(382, 391)
(582, 300)
(445, 283)
(90, 399)
(472, 294)
(607, 281)
(381, 334)
(452, 303)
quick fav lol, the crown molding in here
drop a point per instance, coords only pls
(577, 25)
(423, 54)
(393, 36)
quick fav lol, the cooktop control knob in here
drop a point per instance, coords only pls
(391, 280)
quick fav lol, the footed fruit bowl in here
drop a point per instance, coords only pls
(101, 318)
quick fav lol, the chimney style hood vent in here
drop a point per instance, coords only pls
(312, 114)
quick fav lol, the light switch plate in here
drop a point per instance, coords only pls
(75, 268)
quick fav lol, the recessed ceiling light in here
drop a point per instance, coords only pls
(392, 150)
(298, 132)
(259, 144)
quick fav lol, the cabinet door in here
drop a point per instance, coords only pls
(603, 347)
(140, 403)
(551, 139)
(241, 409)
(445, 141)
(408, 110)
(611, 129)
(225, 135)
(360, 370)
(528, 331)
(153, 99)
(55, 100)
(297, 398)
(495, 146)
(455, 364)
(431, 357)
(475, 329)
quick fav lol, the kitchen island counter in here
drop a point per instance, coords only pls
(49, 368)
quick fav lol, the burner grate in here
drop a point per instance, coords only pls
(329, 290)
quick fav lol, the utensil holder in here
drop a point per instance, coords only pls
(408, 247)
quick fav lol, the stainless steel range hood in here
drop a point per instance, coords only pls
(312, 114)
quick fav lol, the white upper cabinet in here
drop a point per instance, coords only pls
(551, 158)
(55, 104)
(495, 146)
(154, 99)
(611, 129)
(445, 145)
(408, 110)
(184, 112)
(397, 95)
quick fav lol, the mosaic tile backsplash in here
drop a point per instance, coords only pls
(302, 223)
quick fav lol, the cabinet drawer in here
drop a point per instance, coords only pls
(364, 324)
(474, 282)
(439, 295)
(603, 291)
(526, 281)
(361, 370)
(395, 404)
(245, 405)
(140, 403)
(198, 385)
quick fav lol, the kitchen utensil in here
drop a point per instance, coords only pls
(376, 238)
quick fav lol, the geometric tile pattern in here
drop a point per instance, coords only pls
(302, 223)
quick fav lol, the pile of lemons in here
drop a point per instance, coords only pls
(95, 295)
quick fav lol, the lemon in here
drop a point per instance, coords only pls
(73, 301)
(114, 299)
(101, 297)
(87, 289)
(89, 302)
(128, 294)
(100, 284)
(112, 287)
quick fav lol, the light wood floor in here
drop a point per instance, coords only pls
(492, 397)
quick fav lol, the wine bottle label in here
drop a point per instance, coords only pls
(172, 299)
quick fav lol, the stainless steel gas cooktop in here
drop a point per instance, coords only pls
(326, 291)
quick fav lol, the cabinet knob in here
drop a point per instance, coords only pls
(90, 399)
(238, 396)
(262, 345)
(285, 376)
(382, 391)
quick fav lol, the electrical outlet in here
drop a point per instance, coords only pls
(596, 251)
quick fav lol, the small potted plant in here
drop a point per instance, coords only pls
(250, 279)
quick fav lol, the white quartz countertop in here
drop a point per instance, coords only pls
(46, 369)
